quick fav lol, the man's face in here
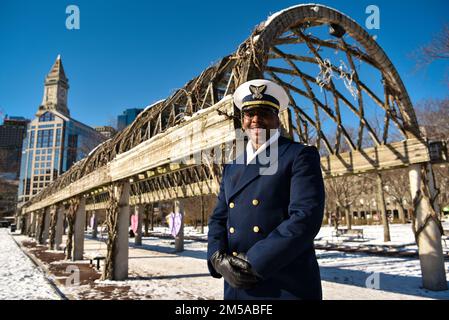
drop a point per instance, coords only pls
(257, 123)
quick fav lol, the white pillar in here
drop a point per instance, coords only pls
(59, 231)
(33, 224)
(18, 220)
(429, 240)
(47, 218)
(433, 189)
(37, 225)
(94, 225)
(120, 257)
(26, 227)
(382, 206)
(78, 235)
(138, 211)
(179, 239)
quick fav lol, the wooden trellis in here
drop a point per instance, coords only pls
(293, 48)
(318, 55)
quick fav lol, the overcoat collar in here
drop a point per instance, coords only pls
(241, 174)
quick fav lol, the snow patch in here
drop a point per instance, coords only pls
(20, 279)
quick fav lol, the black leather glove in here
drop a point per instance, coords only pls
(230, 268)
(243, 264)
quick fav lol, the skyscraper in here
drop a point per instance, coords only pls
(128, 116)
(12, 132)
(54, 141)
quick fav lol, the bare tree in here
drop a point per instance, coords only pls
(197, 210)
(398, 187)
(441, 173)
(437, 49)
(433, 116)
(342, 192)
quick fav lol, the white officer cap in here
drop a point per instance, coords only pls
(260, 92)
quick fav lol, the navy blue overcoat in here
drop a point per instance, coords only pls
(273, 218)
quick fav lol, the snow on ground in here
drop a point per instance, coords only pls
(401, 236)
(387, 274)
(157, 272)
(20, 279)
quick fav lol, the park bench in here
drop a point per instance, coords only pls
(348, 232)
(97, 257)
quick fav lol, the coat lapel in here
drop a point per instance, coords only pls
(244, 174)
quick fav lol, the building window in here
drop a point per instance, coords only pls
(44, 138)
(45, 126)
(58, 138)
(71, 150)
(56, 161)
(30, 158)
(47, 116)
(31, 146)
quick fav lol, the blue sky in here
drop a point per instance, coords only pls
(128, 54)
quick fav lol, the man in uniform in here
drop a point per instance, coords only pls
(261, 231)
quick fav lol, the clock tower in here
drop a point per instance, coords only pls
(55, 90)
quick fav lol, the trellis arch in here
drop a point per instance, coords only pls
(295, 26)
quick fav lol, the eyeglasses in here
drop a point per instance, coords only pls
(260, 112)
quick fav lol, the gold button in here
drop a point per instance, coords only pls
(255, 202)
(234, 253)
(231, 205)
(231, 230)
(256, 229)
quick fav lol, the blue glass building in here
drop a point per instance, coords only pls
(128, 116)
(54, 141)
